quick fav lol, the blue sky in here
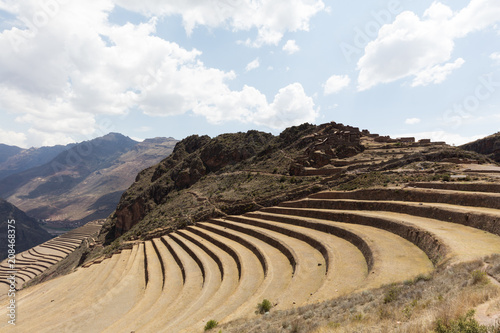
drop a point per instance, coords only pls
(75, 70)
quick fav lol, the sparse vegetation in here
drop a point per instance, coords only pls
(463, 324)
(264, 307)
(391, 294)
(479, 277)
(211, 324)
(418, 307)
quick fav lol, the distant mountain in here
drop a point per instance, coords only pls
(8, 151)
(28, 232)
(489, 146)
(14, 159)
(84, 182)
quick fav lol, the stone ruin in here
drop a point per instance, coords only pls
(335, 141)
(331, 141)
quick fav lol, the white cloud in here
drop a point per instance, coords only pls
(291, 106)
(440, 135)
(12, 138)
(495, 57)
(271, 18)
(9, 6)
(254, 64)
(336, 83)
(422, 48)
(59, 84)
(436, 74)
(291, 47)
(412, 121)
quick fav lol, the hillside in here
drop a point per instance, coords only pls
(14, 159)
(342, 230)
(28, 231)
(489, 146)
(240, 172)
(85, 182)
(393, 259)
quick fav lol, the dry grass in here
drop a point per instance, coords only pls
(414, 306)
(494, 266)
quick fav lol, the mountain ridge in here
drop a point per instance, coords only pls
(17, 159)
(85, 181)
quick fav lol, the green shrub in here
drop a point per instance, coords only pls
(391, 294)
(211, 324)
(479, 277)
(464, 324)
(264, 307)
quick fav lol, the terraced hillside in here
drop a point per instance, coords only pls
(300, 252)
(35, 261)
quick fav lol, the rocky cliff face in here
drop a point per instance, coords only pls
(197, 159)
(489, 146)
(192, 158)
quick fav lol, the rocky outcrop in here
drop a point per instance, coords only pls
(192, 158)
(330, 141)
(196, 157)
(127, 216)
(230, 148)
(489, 146)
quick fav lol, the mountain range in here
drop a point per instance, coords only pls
(14, 159)
(67, 186)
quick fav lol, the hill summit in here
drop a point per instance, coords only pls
(239, 172)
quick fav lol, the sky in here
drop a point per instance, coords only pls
(75, 70)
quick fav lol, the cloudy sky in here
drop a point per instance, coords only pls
(75, 70)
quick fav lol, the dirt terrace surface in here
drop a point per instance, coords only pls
(33, 262)
(301, 252)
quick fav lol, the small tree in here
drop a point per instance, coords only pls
(211, 324)
(264, 307)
